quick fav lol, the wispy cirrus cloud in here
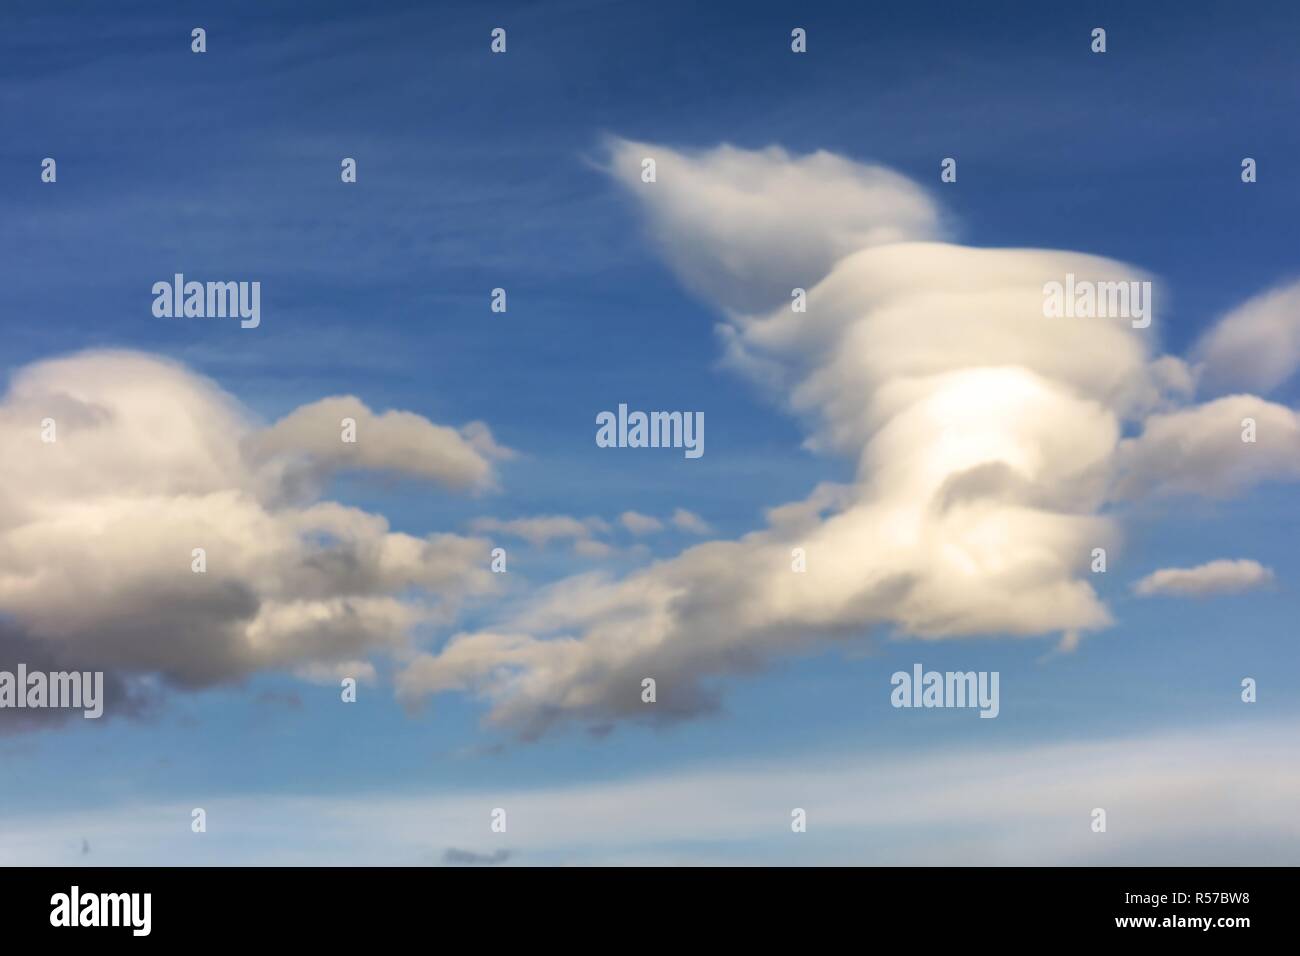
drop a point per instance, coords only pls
(1163, 794)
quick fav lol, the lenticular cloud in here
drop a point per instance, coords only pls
(988, 440)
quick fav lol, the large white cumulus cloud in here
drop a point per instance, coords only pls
(151, 461)
(988, 440)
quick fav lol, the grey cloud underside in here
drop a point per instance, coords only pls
(148, 462)
(122, 696)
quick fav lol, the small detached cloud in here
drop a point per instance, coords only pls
(690, 522)
(1216, 577)
(1256, 346)
(640, 524)
(541, 530)
(306, 443)
(591, 548)
(1199, 450)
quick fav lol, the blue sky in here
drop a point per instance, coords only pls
(478, 171)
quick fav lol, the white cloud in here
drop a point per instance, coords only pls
(690, 522)
(591, 548)
(982, 430)
(395, 442)
(987, 439)
(745, 227)
(1215, 577)
(152, 461)
(640, 524)
(1256, 345)
(541, 530)
(1199, 450)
